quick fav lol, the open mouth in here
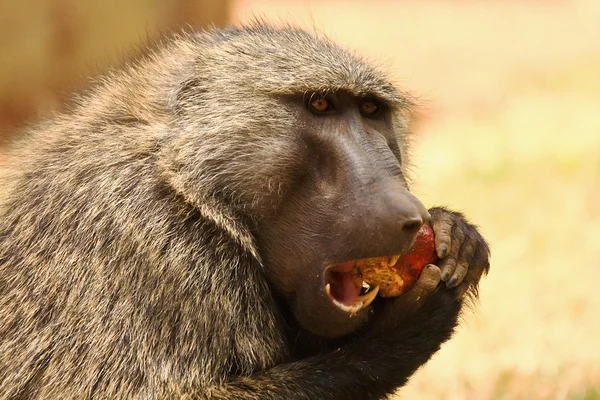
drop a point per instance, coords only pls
(346, 287)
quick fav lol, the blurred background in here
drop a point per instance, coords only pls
(508, 132)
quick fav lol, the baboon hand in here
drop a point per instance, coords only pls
(425, 285)
(463, 252)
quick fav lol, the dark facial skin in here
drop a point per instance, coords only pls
(350, 202)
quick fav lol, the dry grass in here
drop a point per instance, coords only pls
(511, 136)
(529, 174)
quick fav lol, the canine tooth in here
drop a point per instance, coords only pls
(369, 297)
(366, 286)
(393, 260)
(360, 305)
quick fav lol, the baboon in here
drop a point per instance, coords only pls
(179, 232)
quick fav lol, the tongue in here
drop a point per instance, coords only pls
(345, 287)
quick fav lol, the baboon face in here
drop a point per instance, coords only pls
(348, 201)
(307, 140)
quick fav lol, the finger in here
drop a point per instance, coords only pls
(458, 275)
(442, 229)
(428, 281)
(476, 270)
(465, 257)
(448, 264)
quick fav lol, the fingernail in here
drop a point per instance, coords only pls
(445, 275)
(452, 281)
(443, 250)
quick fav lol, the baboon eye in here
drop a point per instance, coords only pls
(320, 105)
(368, 108)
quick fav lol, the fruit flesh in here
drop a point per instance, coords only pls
(395, 275)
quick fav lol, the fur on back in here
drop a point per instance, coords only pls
(128, 266)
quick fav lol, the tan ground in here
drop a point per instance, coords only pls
(511, 136)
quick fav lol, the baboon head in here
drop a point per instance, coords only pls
(305, 142)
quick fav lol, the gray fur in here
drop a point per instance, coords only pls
(128, 266)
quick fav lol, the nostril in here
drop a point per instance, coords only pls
(412, 225)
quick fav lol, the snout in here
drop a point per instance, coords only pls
(384, 222)
(396, 217)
